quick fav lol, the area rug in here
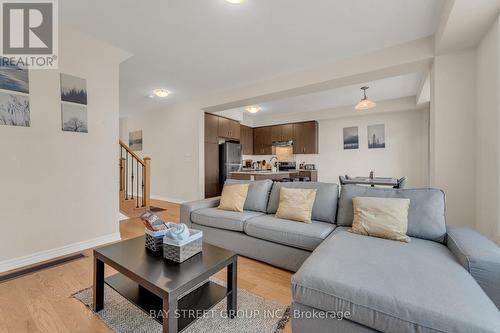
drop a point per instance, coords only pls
(255, 315)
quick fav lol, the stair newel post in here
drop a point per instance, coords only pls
(122, 173)
(147, 179)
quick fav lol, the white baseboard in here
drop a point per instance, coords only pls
(172, 200)
(37, 257)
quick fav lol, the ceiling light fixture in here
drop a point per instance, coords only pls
(161, 92)
(365, 103)
(253, 109)
(235, 1)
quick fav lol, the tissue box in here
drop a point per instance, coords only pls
(154, 240)
(180, 251)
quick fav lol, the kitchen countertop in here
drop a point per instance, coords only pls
(260, 172)
(273, 175)
(263, 172)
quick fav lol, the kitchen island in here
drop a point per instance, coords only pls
(274, 175)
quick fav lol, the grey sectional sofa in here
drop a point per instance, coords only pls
(447, 279)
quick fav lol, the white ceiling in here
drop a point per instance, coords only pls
(380, 90)
(200, 47)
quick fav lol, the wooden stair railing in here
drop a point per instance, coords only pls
(134, 177)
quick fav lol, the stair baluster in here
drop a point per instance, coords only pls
(142, 187)
(130, 184)
(137, 187)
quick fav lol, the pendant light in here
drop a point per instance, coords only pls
(365, 103)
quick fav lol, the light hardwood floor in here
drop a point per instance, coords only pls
(42, 302)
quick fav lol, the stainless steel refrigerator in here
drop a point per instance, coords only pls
(229, 160)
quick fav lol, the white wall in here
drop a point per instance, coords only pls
(488, 134)
(453, 133)
(60, 189)
(171, 139)
(123, 130)
(405, 153)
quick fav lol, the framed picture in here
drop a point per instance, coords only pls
(351, 138)
(14, 109)
(74, 118)
(73, 89)
(14, 96)
(14, 78)
(135, 140)
(376, 136)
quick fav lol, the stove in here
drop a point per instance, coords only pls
(287, 166)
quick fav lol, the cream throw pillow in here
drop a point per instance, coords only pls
(296, 204)
(381, 217)
(233, 197)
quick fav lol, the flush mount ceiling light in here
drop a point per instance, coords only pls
(253, 109)
(161, 92)
(235, 1)
(365, 103)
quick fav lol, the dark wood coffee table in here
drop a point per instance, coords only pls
(158, 286)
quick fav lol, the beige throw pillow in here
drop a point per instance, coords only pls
(381, 217)
(233, 197)
(296, 204)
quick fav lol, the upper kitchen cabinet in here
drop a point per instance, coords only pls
(282, 132)
(246, 140)
(229, 129)
(211, 128)
(305, 138)
(235, 129)
(262, 143)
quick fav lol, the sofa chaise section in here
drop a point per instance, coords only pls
(391, 286)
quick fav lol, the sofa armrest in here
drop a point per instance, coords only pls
(188, 207)
(479, 256)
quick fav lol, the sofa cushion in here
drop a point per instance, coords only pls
(296, 204)
(222, 219)
(287, 232)
(381, 217)
(394, 286)
(258, 193)
(426, 216)
(325, 204)
(233, 197)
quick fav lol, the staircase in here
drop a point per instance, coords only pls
(134, 182)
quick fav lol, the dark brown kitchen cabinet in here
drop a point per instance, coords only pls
(262, 143)
(229, 129)
(282, 132)
(246, 140)
(211, 128)
(211, 170)
(235, 129)
(216, 128)
(305, 137)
